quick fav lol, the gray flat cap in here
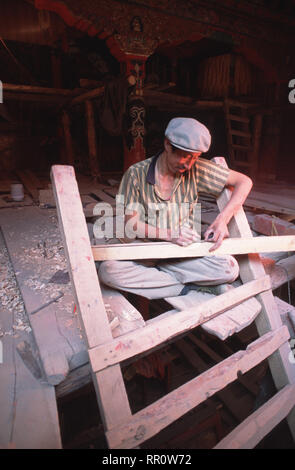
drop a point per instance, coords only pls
(188, 134)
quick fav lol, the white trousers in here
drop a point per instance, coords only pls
(159, 279)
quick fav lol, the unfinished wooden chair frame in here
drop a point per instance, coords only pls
(124, 429)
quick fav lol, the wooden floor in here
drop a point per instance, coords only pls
(28, 382)
(28, 410)
(277, 198)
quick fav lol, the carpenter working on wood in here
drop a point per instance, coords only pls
(160, 198)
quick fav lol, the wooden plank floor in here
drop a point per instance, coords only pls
(33, 240)
(28, 411)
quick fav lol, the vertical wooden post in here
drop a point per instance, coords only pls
(66, 123)
(92, 142)
(134, 150)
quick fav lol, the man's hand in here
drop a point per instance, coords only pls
(216, 232)
(186, 236)
(241, 185)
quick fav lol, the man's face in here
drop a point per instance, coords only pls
(180, 161)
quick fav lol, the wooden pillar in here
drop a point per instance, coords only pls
(69, 152)
(56, 70)
(92, 142)
(134, 150)
(132, 49)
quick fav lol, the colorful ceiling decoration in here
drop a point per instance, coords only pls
(138, 28)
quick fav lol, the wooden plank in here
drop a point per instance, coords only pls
(48, 100)
(164, 250)
(269, 206)
(282, 272)
(226, 324)
(251, 431)
(126, 346)
(88, 95)
(76, 379)
(103, 196)
(38, 90)
(112, 400)
(46, 197)
(28, 410)
(57, 342)
(226, 396)
(287, 313)
(253, 388)
(251, 267)
(118, 307)
(278, 198)
(27, 201)
(160, 414)
(113, 191)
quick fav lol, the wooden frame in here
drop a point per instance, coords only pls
(124, 430)
(251, 431)
(167, 327)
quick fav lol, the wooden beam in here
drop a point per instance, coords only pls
(112, 400)
(269, 319)
(75, 380)
(155, 333)
(97, 92)
(282, 272)
(159, 250)
(103, 196)
(251, 431)
(170, 100)
(89, 95)
(253, 388)
(226, 396)
(118, 307)
(160, 414)
(48, 100)
(37, 90)
(272, 206)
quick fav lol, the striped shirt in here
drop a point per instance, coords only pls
(138, 187)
